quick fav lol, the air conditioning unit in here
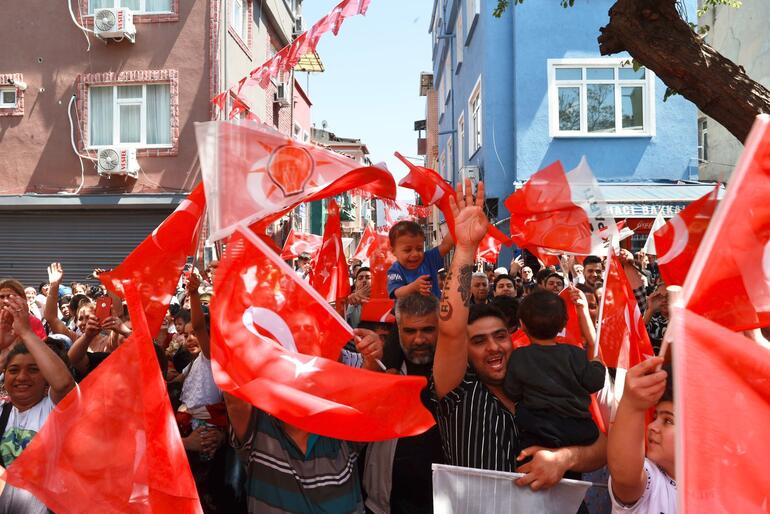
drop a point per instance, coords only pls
(117, 161)
(282, 95)
(114, 24)
(297, 27)
(471, 172)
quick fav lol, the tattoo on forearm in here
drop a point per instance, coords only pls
(445, 308)
(464, 288)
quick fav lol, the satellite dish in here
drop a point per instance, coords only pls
(324, 124)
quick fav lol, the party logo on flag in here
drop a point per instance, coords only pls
(290, 168)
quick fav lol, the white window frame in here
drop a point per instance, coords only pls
(703, 141)
(116, 103)
(446, 77)
(4, 105)
(476, 134)
(461, 141)
(442, 164)
(472, 13)
(648, 91)
(450, 154)
(241, 29)
(142, 6)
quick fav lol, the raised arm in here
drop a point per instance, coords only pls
(451, 359)
(239, 413)
(625, 450)
(196, 314)
(446, 244)
(51, 313)
(79, 349)
(51, 366)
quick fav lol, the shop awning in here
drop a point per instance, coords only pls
(647, 199)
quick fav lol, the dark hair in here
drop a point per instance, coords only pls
(76, 302)
(65, 300)
(554, 274)
(184, 314)
(485, 310)
(543, 313)
(59, 348)
(404, 228)
(416, 304)
(19, 349)
(587, 289)
(668, 394)
(509, 307)
(304, 256)
(360, 270)
(41, 286)
(592, 259)
(503, 277)
(542, 275)
(11, 283)
(374, 325)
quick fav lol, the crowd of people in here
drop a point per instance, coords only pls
(497, 406)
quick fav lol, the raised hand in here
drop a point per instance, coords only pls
(471, 224)
(193, 283)
(55, 273)
(18, 309)
(516, 264)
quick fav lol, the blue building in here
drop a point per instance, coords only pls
(518, 92)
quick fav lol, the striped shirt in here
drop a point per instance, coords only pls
(323, 480)
(477, 431)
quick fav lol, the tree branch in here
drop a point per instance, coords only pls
(656, 36)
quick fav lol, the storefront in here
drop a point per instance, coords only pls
(638, 203)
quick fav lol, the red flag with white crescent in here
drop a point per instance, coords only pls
(329, 274)
(276, 342)
(298, 243)
(489, 250)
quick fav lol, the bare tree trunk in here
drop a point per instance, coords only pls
(656, 36)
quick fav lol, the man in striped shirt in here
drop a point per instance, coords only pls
(474, 416)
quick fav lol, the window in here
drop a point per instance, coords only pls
(137, 6)
(461, 141)
(474, 111)
(297, 133)
(137, 115)
(472, 11)
(442, 164)
(238, 18)
(436, 31)
(703, 140)
(450, 154)
(7, 98)
(600, 98)
(441, 102)
(446, 77)
(459, 40)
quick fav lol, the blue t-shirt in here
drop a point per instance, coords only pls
(398, 276)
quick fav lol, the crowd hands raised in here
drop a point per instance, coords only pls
(497, 406)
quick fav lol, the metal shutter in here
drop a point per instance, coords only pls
(80, 239)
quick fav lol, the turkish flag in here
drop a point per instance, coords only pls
(298, 243)
(371, 240)
(622, 336)
(112, 444)
(678, 240)
(722, 411)
(489, 250)
(156, 264)
(329, 274)
(254, 173)
(562, 212)
(379, 310)
(276, 342)
(729, 281)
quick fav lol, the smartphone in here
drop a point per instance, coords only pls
(103, 307)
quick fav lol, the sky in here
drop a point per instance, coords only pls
(370, 89)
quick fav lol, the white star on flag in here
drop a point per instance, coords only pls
(302, 368)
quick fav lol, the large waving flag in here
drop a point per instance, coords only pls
(622, 337)
(156, 264)
(371, 240)
(678, 240)
(717, 367)
(254, 173)
(298, 243)
(729, 281)
(112, 444)
(275, 344)
(562, 212)
(489, 250)
(329, 275)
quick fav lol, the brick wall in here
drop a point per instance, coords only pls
(123, 78)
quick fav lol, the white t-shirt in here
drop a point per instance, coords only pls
(199, 388)
(22, 427)
(659, 496)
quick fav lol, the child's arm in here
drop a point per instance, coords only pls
(446, 244)
(625, 448)
(587, 329)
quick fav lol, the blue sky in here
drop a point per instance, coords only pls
(370, 89)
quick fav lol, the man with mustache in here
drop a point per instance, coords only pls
(397, 476)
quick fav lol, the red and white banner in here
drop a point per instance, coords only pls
(298, 243)
(678, 240)
(562, 212)
(276, 342)
(371, 240)
(329, 274)
(489, 250)
(722, 409)
(254, 173)
(729, 281)
(288, 57)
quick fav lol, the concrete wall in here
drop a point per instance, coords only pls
(742, 36)
(50, 52)
(545, 30)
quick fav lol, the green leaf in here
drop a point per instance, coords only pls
(669, 93)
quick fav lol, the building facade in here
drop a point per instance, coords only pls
(741, 35)
(519, 92)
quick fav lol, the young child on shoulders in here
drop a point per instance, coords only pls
(643, 482)
(551, 382)
(415, 270)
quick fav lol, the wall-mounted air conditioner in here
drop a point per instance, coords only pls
(113, 161)
(282, 95)
(114, 24)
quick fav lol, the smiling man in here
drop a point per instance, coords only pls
(475, 418)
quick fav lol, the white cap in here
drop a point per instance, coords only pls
(501, 271)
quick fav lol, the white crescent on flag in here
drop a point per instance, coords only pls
(680, 238)
(272, 323)
(185, 205)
